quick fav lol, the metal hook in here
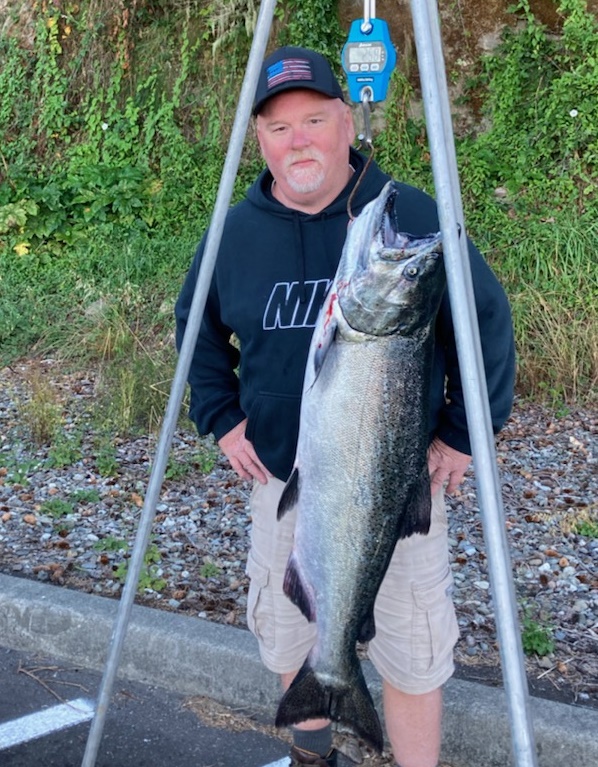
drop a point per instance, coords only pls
(367, 96)
(357, 183)
(366, 143)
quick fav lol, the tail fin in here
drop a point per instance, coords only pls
(309, 697)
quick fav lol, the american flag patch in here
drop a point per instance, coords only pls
(288, 69)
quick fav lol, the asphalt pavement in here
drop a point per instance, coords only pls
(167, 658)
(146, 726)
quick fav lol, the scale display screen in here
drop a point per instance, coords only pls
(371, 54)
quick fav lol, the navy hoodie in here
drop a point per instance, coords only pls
(273, 269)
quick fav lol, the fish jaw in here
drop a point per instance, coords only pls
(388, 281)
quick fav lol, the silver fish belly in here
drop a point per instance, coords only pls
(360, 481)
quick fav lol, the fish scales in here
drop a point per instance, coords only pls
(360, 480)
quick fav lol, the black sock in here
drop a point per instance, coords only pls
(317, 741)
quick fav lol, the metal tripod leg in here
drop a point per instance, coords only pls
(223, 198)
(438, 122)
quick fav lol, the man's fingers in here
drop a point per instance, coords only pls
(249, 469)
(242, 456)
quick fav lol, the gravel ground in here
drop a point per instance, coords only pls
(74, 525)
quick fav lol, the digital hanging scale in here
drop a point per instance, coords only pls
(368, 58)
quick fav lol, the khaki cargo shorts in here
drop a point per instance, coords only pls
(416, 626)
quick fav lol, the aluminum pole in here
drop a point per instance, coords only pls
(444, 165)
(179, 382)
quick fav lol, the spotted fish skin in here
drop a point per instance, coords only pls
(360, 480)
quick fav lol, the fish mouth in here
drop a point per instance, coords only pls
(391, 242)
(389, 227)
(395, 245)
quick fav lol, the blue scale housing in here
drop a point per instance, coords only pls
(368, 59)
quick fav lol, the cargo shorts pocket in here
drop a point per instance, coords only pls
(434, 624)
(260, 603)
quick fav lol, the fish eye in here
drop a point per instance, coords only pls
(411, 272)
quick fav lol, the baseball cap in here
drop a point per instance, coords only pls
(290, 68)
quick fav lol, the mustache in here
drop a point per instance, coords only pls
(301, 157)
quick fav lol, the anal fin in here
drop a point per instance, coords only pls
(295, 590)
(290, 494)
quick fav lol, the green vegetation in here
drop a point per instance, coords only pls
(536, 637)
(111, 544)
(209, 570)
(114, 123)
(588, 528)
(105, 457)
(15, 470)
(56, 507)
(201, 461)
(149, 577)
(40, 414)
(529, 191)
(582, 522)
(64, 451)
(85, 496)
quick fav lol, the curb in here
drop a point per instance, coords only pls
(192, 656)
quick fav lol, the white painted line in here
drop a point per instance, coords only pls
(44, 722)
(280, 763)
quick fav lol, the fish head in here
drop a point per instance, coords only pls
(389, 281)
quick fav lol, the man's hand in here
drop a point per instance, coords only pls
(446, 463)
(241, 454)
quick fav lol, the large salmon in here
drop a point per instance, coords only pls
(360, 480)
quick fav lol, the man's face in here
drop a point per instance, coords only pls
(304, 137)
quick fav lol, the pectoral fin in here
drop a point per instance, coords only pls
(324, 334)
(324, 342)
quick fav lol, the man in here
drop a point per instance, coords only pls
(279, 253)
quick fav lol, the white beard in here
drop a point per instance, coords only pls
(306, 180)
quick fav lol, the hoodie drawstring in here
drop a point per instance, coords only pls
(298, 239)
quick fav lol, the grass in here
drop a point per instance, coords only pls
(40, 413)
(551, 276)
(89, 305)
(109, 307)
(582, 522)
